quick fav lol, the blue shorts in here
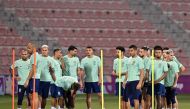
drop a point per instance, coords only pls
(37, 86)
(159, 90)
(117, 89)
(44, 89)
(170, 95)
(21, 92)
(131, 92)
(56, 91)
(91, 87)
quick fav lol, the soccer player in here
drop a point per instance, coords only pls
(115, 72)
(31, 78)
(72, 63)
(45, 78)
(134, 77)
(171, 80)
(90, 66)
(23, 68)
(70, 86)
(56, 92)
(180, 66)
(160, 72)
(147, 62)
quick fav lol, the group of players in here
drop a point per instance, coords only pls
(136, 77)
(62, 76)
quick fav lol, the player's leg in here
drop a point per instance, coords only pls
(122, 92)
(28, 98)
(168, 97)
(70, 100)
(158, 101)
(173, 98)
(34, 95)
(135, 93)
(149, 96)
(177, 103)
(96, 89)
(136, 104)
(21, 92)
(163, 96)
(88, 91)
(54, 95)
(61, 99)
(144, 96)
(40, 94)
(45, 93)
(88, 100)
(126, 96)
(39, 101)
(148, 101)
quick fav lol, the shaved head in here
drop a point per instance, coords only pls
(30, 48)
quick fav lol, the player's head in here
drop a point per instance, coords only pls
(143, 51)
(89, 51)
(120, 48)
(165, 52)
(30, 48)
(75, 86)
(72, 50)
(158, 51)
(44, 50)
(24, 54)
(169, 54)
(57, 53)
(132, 50)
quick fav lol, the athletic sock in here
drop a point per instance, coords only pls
(53, 108)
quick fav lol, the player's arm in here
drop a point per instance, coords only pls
(52, 73)
(31, 74)
(175, 80)
(141, 70)
(80, 75)
(182, 69)
(161, 78)
(146, 75)
(62, 64)
(99, 75)
(181, 66)
(176, 70)
(125, 80)
(11, 73)
(141, 79)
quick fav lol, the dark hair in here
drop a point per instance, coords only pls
(75, 86)
(165, 48)
(55, 50)
(120, 48)
(89, 47)
(157, 47)
(145, 48)
(71, 47)
(133, 46)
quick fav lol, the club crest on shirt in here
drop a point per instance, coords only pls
(74, 62)
(94, 62)
(133, 62)
(159, 65)
(122, 64)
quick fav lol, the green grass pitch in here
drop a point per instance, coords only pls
(111, 102)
